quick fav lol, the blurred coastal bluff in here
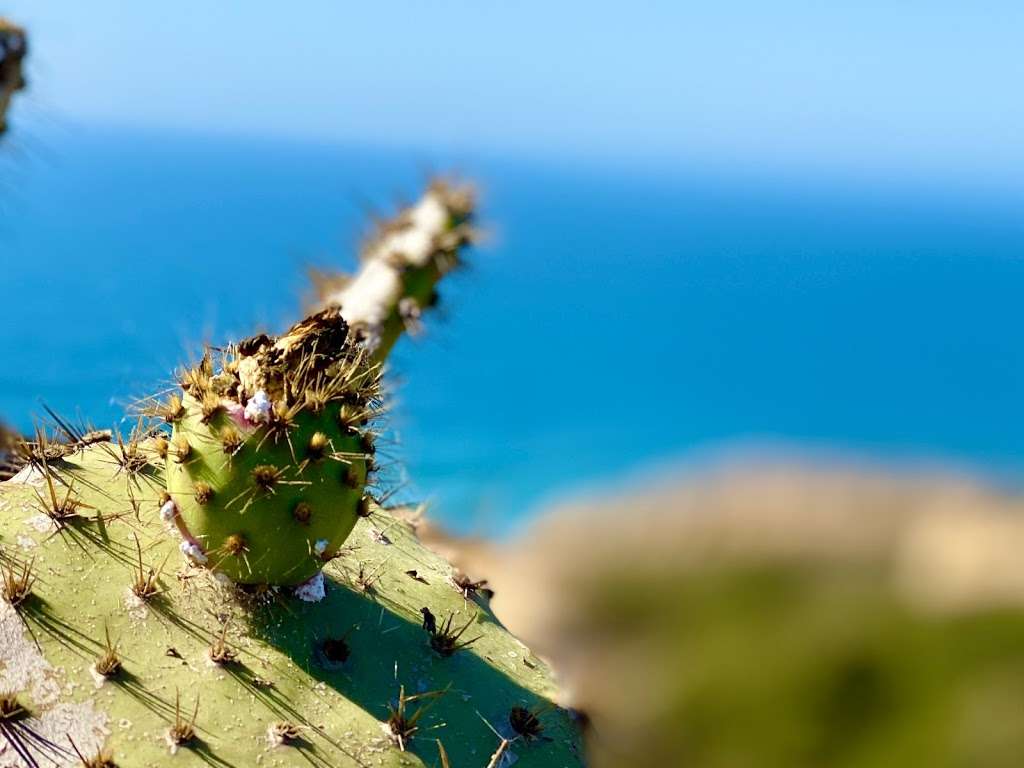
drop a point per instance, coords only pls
(777, 614)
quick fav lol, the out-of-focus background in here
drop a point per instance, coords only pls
(784, 239)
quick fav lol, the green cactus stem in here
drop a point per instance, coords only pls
(271, 447)
(401, 266)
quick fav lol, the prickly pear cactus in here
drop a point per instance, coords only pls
(118, 650)
(115, 647)
(401, 266)
(270, 451)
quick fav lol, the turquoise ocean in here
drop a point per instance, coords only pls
(611, 321)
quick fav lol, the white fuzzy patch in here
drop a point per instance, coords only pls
(23, 669)
(411, 246)
(320, 547)
(135, 605)
(314, 590)
(42, 523)
(257, 410)
(168, 511)
(368, 299)
(371, 296)
(28, 475)
(194, 552)
(430, 214)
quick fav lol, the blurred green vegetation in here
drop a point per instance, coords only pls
(783, 665)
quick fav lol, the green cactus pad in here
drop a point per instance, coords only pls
(272, 681)
(258, 516)
(268, 497)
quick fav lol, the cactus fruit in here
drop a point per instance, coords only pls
(113, 648)
(13, 47)
(401, 266)
(270, 451)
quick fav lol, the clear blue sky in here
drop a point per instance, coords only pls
(911, 86)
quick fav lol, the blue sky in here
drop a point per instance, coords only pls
(913, 87)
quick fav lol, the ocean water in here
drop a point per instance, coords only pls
(612, 320)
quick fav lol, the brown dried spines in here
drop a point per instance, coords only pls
(235, 544)
(265, 478)
(220, 652)
(182, 732)
(445, 640)
(231, 440)
(161, 447)
(173, 410)
(211, 407)
(203, 492)
(18, 580)
(182, 449)
(318, 446)
(108, 664)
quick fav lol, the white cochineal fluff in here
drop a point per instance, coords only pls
(312, 591)
(194, 551)
(257, 410)
(372, 295)
(168, 511)
(368, 299)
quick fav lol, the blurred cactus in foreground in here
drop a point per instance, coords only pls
(779, 618)
(117, 650)
(13, 47)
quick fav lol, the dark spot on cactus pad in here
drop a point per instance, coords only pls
(302, 513)
(335, 650)
(525, 723)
